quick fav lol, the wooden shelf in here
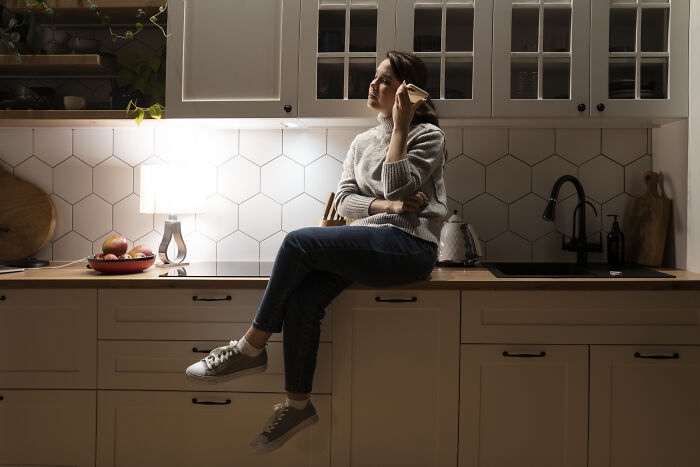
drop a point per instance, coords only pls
(77, 12)
(7, 115)
(61, 5)
(78, 64)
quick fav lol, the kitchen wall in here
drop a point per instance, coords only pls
(268, 182)
(693, 237)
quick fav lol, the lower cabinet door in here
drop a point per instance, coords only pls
(53, 427)
(523, 405)
(645, 406)
(167, 428)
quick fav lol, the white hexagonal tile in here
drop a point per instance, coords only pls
(187, 223)
(322, 177)
(268, 252)
(453, 206)
(488, 215)
(531, 145)
(71, 247)
(137, 172)
(634, 172)
(508, 247)
(485, 145)
(35, 171)
(64, 217)
(304, 146)
(133, 145)
(564, 219)
(282, 179)
(525, 217)
(15, 144)
(72, 180)
(238, 179)
(624, 145)
(259, 217)
(464, 178)
(93, 145)
(113, 180)
(53, 145)
(548, 249)
(602, 179)
(128, 221)
(199, 247)
(97, 244)
(453, 142)
(547, 172)
(238, 247)
(578, 145)
(6, 167)
(219, 219)
(339, 141)
(508, 179)
(45, 253)
(176, 145)
(618, 205)
(260, 146)
(216, 146)
(302, 211)
(92, 217)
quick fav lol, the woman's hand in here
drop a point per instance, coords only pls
(403, 109)
(410, 203)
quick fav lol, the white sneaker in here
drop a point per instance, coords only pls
(284, 423)
(226, 363)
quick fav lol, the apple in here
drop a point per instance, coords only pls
(98, 256)
(138, 255)
(109, 256)
(140, 249)
(125, 256)
(115, 244)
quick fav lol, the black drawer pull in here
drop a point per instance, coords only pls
(1, 398)
(2, 298)
(523, 355)
(658, 357)
(210, 299)
(196, 350)
(195, 401)
(396, 300)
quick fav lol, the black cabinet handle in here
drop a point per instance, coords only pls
(1, 398)
(195, 401)
(2, 298)
(523, 355)
(287, 108)
(600, 107)
(396, 300)
(210, 299)
(196, 350)
(581, 107)
(657, 357)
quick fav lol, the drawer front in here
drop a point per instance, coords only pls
(181, 314)
(161, 365)
(48, 339)
(581, 317)
(47, 428)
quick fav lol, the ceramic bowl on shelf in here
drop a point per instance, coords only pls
(73, 102)
(121, 266)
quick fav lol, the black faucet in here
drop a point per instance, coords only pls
(578, 243)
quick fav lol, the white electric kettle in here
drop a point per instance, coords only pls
(459, 244)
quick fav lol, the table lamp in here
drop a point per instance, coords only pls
(172, 189)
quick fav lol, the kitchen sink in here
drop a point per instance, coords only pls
(565, 270)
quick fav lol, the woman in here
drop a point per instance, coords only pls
(392, 184)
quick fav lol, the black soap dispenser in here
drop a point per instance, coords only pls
(616, 244)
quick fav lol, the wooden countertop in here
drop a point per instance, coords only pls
(477, 278)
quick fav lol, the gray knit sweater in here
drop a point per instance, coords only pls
(367, 176)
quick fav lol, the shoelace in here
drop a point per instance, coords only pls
(280, 411)
(220, 354)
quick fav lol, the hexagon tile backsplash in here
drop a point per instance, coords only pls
(269, 182)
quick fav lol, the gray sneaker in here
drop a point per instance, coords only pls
(284, 423)
(226, 363)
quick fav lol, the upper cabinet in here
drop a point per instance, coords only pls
(232, 58)
(639, 58)
(341, 44)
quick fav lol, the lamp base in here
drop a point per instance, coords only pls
(171, 265)
(172, 229)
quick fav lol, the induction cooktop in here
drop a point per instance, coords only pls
(220, 269)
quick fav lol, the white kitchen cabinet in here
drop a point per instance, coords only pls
(160, 428)
(644, 406)
(395, 378)
(540, 58)
(47, 428)
(233, 58)
(453, 38)
(523, 405)
(341, 44)
(639, 58)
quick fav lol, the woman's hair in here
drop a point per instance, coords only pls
(410, 68)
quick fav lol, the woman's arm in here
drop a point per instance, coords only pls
(348, 201)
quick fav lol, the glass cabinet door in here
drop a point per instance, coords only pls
(342, 41)
(639, 58)
(453, 38)
(540, 58)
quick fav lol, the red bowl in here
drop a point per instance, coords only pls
(121, 266)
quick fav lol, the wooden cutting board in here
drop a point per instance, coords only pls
(646, 224)
(27, 218)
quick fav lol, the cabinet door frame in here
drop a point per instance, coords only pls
(180, 106)
(311, 107)
(503, 105)
(480, 103)
(677, 103)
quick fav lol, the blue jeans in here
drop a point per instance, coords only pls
(315, 264)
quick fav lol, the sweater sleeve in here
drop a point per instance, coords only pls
(405, 177)
(348, 201)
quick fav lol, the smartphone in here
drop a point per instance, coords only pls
(415, 93)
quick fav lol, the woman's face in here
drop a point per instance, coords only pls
(382, 89)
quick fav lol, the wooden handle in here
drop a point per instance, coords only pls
(329, 203)
(651, 179)
(332, 213)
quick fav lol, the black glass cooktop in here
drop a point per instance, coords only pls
(220, 269)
